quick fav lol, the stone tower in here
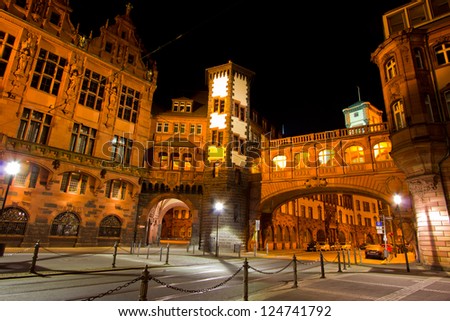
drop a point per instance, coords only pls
(226, 177)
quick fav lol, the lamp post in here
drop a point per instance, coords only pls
(11, 168)
(218, 207)
(398, 200)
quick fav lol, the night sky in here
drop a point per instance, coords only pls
(309, 57)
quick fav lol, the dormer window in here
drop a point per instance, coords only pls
(182, 106)
(21, 3)
(109, 47)
(131, 59)
(55, 18)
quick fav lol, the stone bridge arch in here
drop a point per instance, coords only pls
(155, 206)
(380, 186)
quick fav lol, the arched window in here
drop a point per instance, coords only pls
(381, 151)
(354, 155)
(301, 160)
(65, 224)
(13, 221)
(110, 226)
(279, 162)
(326, 157)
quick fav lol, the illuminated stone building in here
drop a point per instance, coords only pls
(101, 163)
(75, 112)
(414, 64)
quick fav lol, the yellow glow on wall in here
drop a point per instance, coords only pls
(219, 87)
(215, 152)
(218, 121)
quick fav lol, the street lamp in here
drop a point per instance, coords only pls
(11, 168)
(218, 207)
(398, 200)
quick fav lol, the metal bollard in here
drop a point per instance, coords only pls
(354, 255)
(245, 280)
(144, 285)
(139, 248)
(343, 258)
(322, 267)
(35, 256)
(339, 261)
(267, 248)
(148, 250)
(294, 259)
(160, 253)
(167, 254)
(114, 255)
(348, 258)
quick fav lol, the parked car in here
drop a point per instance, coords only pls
(346, 246)
(323, 246)
(311, 247)
(374, 251)
(335, 247)
(363, 246)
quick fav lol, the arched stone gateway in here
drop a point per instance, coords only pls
(168, 217)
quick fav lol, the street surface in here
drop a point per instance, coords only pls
(87, 274)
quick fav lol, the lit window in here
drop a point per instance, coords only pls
(354, 155)
(326, 157)
(279, 162)
(399, 115)
(381, 151)
(442, 53)
(390, 69)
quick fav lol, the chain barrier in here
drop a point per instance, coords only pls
(280, 270)
(196, 291)
(120, 287)
(21, 252)
(77, 253)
